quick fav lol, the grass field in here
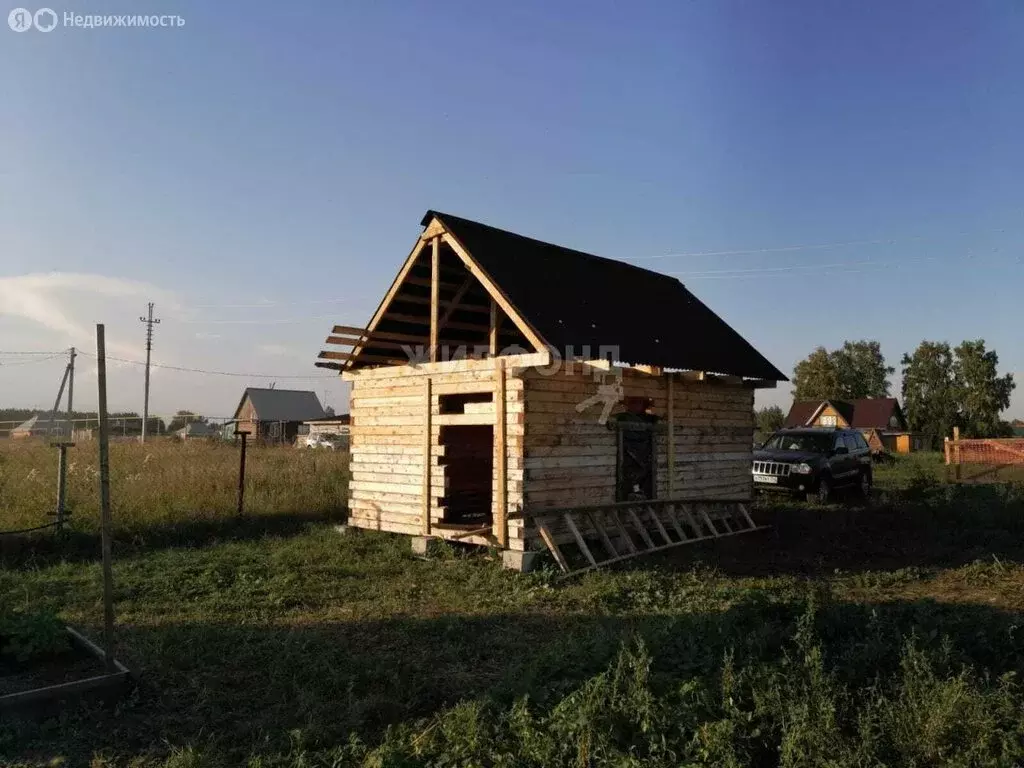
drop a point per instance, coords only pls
(849, 635)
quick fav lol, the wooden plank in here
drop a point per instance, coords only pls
(425, 283)
(484, 368)
(447, 305)
(427, 461)
(62, 690)
(379, 335)
(492, 344)
(477, 271)
(373, 342)
(605, 538)
(435, 279)
(704, 516)
(331, 355)
(549, 541)
(623, 533)
(330, 366)
(433, 230)
(631, 511)
(501, 470)
(657, 522)
(457, 299)
(425, 322)
(579, 539)
(670, 513)
(450, 419)
(671, 445)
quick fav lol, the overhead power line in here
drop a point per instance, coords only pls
(819, 246)
(4, 364)
(59, 352)
(211, 373)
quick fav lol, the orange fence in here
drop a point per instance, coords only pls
(989, 455)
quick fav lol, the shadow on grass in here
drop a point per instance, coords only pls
(40, 549)
(932, 526)
(242, 688)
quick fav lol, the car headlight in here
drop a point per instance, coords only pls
(802, 469)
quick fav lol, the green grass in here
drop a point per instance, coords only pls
(847, 635)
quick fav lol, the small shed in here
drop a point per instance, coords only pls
(275, 415)
(879, 419)
(504, 380)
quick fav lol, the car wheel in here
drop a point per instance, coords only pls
(823, 493)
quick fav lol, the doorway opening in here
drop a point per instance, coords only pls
(469, 471)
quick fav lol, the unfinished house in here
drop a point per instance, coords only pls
(517, 394)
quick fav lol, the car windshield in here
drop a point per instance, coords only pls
(800, 442)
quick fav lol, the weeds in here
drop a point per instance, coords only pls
(847, 636)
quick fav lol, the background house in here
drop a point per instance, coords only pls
(1017, 425)
(880, 419)
(275, 415)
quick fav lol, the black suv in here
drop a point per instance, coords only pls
(813, 462)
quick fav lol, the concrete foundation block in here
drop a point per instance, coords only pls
(522, 562)
(420, 545)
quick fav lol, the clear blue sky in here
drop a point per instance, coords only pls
(284, 153)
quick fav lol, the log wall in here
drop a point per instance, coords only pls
(388, 442)
(557, 456)
(570, 458)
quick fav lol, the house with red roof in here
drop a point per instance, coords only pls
(880, 419)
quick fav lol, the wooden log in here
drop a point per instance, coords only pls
(501, 469)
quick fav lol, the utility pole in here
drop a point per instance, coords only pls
(150, 322)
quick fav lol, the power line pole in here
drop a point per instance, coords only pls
(150, 322)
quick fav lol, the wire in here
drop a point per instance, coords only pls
(27, 530)
(818, 246)
(212, 373)
(276, 321)
(812, 267)
(61, 352)
(29, 362)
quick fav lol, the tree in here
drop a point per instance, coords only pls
(816, 377)
(981, 394)
(181, 418)
(769, 419)
(856, 370)
(861, 370)
(930, 390)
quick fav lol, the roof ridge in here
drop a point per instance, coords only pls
(604, 259)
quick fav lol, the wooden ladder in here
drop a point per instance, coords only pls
(610, 533)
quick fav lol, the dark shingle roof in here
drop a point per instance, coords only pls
(868, 413)
(282, 404)
(576, 299)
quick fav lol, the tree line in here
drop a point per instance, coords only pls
(943, 387)
(128, 422)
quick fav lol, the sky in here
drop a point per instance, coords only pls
(814, 171)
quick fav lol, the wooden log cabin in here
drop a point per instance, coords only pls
(501, 376)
